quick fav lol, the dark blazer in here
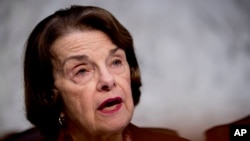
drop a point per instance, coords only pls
(221, 132)
(153, 134)
(137, 134)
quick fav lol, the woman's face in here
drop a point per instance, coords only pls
(93, 77)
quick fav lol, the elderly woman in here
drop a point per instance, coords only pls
(82, 79)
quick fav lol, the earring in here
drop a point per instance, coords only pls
(62, 120)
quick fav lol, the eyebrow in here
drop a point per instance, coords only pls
(85, 57)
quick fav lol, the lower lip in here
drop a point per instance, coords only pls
(113, 110)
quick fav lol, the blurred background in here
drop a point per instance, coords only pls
(194, 57)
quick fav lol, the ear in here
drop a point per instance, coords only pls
(51, 97)
(56, 93)
(62, 119)
(62, 115)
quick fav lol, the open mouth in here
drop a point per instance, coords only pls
(110, 105)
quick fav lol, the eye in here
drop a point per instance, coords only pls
(117, 62)
(81, 71)
(117, 65)
(82, 74)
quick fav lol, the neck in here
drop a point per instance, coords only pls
(79, 136)
(113, 137)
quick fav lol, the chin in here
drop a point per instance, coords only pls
(115, 126)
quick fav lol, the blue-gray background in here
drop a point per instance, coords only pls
(194, 57)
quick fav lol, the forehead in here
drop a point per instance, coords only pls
(78, 42)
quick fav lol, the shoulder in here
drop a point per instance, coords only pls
(146, 134)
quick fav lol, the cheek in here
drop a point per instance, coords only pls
(129, 90)
(125, 83)
(128, 81)
(78, 106)
(73, 101)
(77, 99)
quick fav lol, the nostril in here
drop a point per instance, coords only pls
(105, 88)
(106, 81)
(108, 87)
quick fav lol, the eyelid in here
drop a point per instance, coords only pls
(119, 54)
(76, 64)
(72, 69)
(79, 67)
(82, 66)
(117, 57)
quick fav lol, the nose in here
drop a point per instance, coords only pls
(106, 80)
